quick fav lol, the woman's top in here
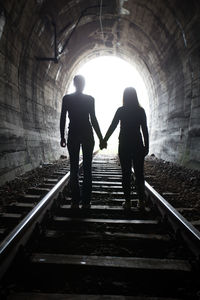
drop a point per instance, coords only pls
(132, 122)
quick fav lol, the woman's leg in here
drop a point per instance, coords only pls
(138, 164)
(125, 161)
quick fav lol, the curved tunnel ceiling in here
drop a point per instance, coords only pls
(143, 32)
(45, 41)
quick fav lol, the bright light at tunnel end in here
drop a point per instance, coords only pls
(106, 78)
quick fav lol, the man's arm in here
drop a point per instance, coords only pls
(94, 122)
(62, 123)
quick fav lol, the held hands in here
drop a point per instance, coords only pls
(103, 144)
(63, 143)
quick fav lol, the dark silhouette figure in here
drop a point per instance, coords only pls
(81, 113)
(132, 146)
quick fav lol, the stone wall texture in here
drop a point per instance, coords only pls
(159, 37)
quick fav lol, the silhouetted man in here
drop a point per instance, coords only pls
(81, 113)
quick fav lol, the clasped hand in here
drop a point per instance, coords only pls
(103, 144)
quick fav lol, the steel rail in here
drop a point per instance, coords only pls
(180, 225)
(21, 233)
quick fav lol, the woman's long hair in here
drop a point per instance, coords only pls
(130, 98)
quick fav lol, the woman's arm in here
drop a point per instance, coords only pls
(145, 133)
(113, 126)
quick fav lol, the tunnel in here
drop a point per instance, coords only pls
(44, 42)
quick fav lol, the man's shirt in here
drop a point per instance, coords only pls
(79, 108)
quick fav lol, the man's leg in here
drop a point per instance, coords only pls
(74, 148)
(87, 147)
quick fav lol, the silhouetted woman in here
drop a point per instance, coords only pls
(133, 146)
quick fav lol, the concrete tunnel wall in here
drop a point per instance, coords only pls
(159, 37)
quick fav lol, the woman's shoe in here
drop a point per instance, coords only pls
(126, 205)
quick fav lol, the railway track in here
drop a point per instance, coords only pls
(103, 253)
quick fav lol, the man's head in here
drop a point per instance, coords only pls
(79, 83)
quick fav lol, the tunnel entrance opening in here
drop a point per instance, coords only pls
(106, 78)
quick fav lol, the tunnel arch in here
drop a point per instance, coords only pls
(159, 38)
(106, 78)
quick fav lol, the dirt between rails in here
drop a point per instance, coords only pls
(178, 185)
(12, 190)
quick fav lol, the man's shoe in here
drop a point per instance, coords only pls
(141, 205)
(86, 206)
